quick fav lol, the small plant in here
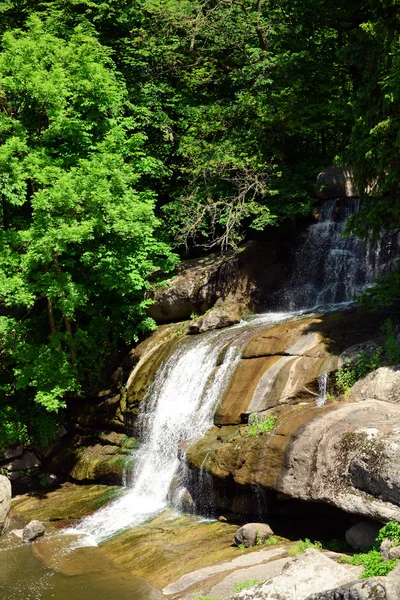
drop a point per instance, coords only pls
(265, 426)
(303, 545)
(271, 541)
(246, 585)
(241, 546)
(194, 316)
(356, 368)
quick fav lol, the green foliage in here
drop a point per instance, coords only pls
(246, 585)
(271, 541)
(78, 233)
(373, 563)
(392, 348)
(265, 426)
(356, 368)
(389, 531)
(303, 545)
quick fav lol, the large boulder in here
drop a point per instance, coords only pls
(373, 588)
(251, 534)
(363, 535)
(345, 455)
(303, 575)
(382, 384)
(335, 182)
(244, 277)
(5, 502)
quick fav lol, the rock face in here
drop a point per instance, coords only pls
(362, 536)
(346, 455)
(101, 458)
(382, 384)
(303, 575)
(251, 534)
(389, 551)
(374, 588)
(32, 531)
(5, 502)
(244, 277)
(335, 182)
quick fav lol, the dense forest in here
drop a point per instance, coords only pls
(132, 131)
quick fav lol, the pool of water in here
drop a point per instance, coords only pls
(82, 574)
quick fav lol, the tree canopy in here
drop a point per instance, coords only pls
(132, 128)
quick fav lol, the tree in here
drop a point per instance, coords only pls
(78, 233)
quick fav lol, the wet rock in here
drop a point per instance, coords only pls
(17, 533)
(217, 318)
(363, 535)
(252, 533)
(5, 502)
(103, 459)
(335, 182)
(32, 531)
(303, 575)
(382, 384)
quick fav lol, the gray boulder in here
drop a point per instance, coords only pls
(5, 502)
(252, 533)
(389, 551)
(335, 182)
(373, 588)
(363, 535)
(32, 531)
(382, 384)
(305, 574)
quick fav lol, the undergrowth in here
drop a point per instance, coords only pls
(265, 426)
(357, 367)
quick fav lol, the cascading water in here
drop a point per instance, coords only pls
(330, 269)
(180, 404)
(322, 390)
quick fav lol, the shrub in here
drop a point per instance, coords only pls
(265, 426)
(303, 545)
(374, 565)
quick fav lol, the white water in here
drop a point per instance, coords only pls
(179, 407)
(181, 402)
(322, 390)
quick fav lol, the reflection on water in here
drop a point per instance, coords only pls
(84, 577)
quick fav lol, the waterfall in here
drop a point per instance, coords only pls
(178, 407)
(322, 390)
(330, 269)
